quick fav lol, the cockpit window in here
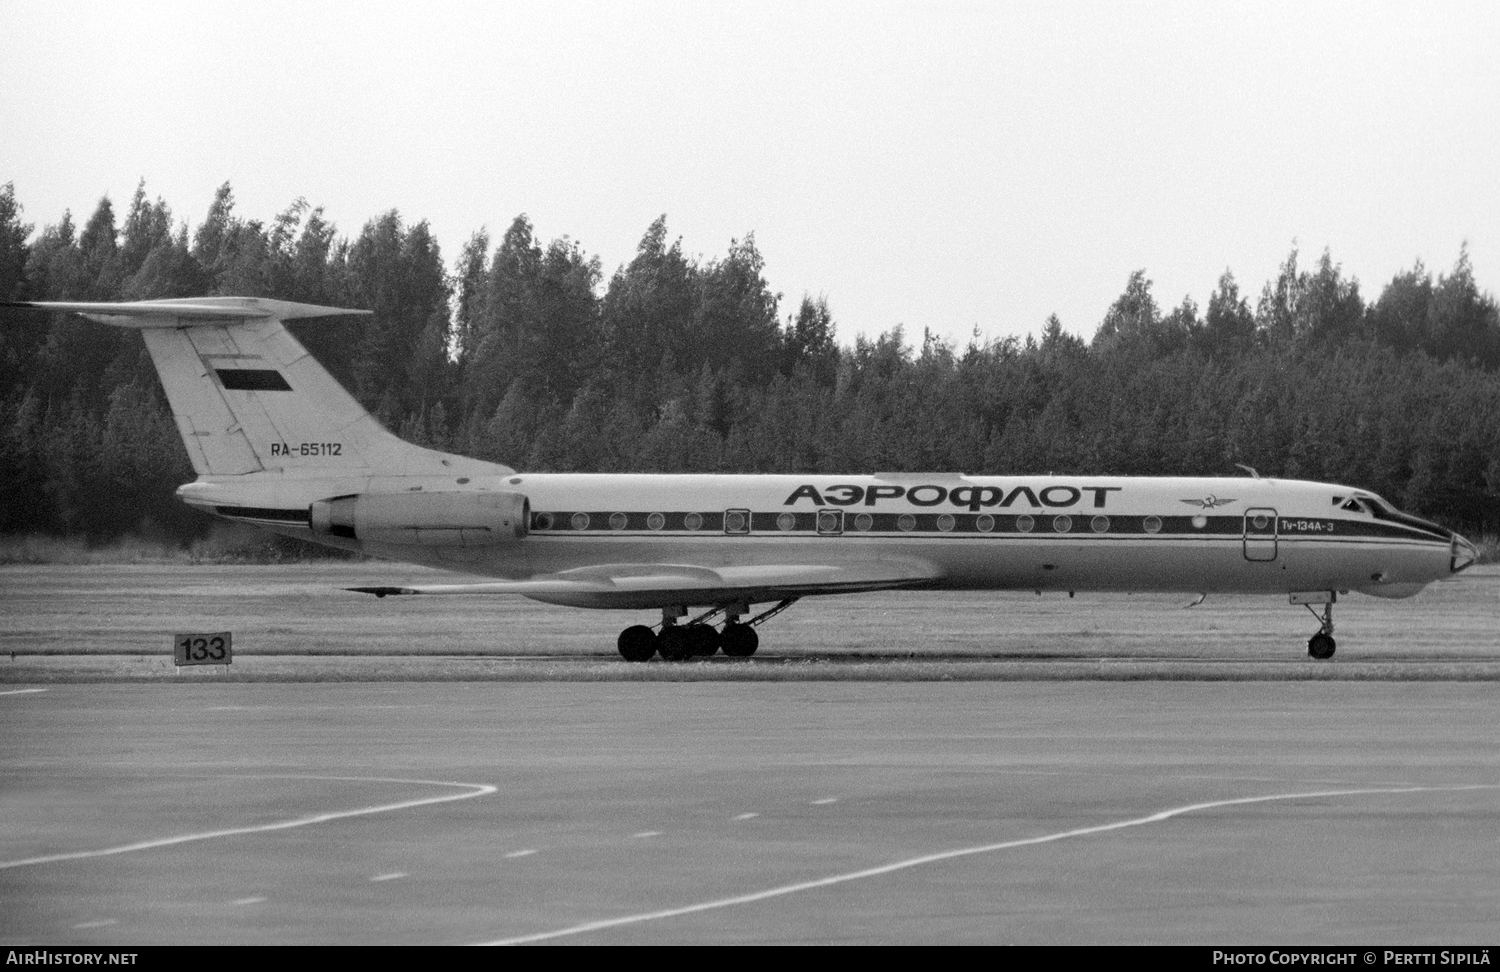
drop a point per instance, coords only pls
(1382, 510)
(1352, 505)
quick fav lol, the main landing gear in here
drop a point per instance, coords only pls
(1320, 645)
(698, 637)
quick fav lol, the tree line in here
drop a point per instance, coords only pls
(524, 353)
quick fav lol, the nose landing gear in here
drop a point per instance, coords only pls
(1320, 645)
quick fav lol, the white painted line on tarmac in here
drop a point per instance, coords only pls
(247, 901)
(522, 853)
(911, 862)
(21, 691)
(393, 876)
(103, 923)
(647, 833)
(825, 801)
(747, 816)
(473, 790)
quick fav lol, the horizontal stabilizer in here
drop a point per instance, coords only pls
(184, 312)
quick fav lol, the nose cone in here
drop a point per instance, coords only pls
(1464, 554)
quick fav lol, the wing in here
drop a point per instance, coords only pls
(662, 585)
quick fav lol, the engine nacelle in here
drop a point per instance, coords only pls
(424, 519)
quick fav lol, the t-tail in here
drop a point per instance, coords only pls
(255, 409)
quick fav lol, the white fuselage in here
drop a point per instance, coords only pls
(958, 532)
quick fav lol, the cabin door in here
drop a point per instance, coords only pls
(1260, 534)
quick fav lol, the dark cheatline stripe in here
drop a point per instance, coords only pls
(769, 523)
(298, 517)
(1043, 524)
(252, 379)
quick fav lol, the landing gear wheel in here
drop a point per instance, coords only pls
(1320, 646)
(637, 643)
(739, 640)
(674, 644)
(704, 639)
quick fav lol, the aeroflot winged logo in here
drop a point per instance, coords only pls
(972, 498)
(1208, 502)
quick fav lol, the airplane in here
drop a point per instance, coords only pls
(276, 442)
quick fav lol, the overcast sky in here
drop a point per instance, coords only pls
(934, 164)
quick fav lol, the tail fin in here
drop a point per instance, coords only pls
(247, 397)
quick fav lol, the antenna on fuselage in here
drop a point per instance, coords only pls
(1248, 469)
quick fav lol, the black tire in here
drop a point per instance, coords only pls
(739, 640)
(704, 638)
(637, 643)
(1321, 646)
(674, 644)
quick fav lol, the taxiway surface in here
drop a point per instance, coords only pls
(755, 812)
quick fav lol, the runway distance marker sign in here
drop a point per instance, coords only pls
(211, 648)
